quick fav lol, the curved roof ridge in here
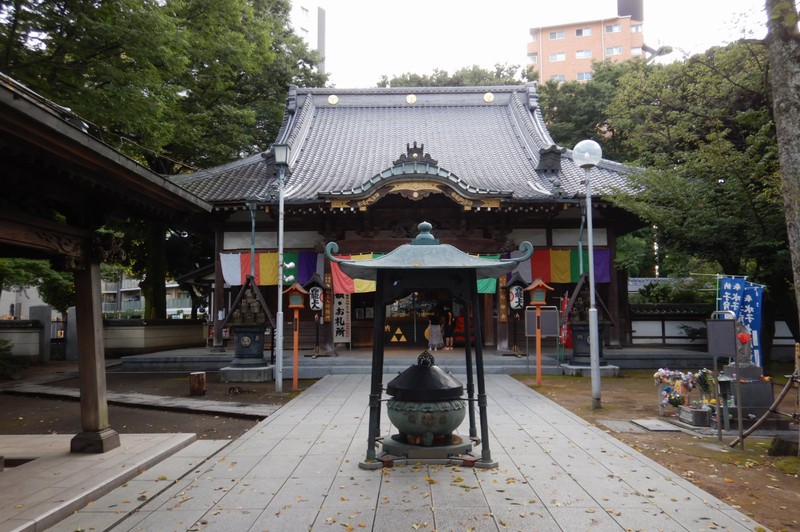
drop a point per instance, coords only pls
(301, 123)
(532, 109)
(424, 170)
(416, 90)
(214, 170)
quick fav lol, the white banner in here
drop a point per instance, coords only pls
(341, 318)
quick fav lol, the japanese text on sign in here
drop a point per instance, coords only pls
(341, 318)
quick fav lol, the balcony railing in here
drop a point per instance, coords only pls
(130, 284)
(179, 302)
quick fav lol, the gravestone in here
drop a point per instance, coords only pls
(44, 314)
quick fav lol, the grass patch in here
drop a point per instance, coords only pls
(788, 464)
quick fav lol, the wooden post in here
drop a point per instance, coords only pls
(538, 345)
(96, 436)
(197, 383)
(296, 348)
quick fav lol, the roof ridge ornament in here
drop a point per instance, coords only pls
(533, 96)
(291, 99)
(425, 238)
(550, 158)
(416, 155)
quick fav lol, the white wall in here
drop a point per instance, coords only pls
(23, 300)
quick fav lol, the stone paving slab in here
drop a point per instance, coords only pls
(41, 493)
(656, 425)
(556, 472)
(153, 401)
(622, 426)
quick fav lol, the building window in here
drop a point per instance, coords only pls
(559, 77)
(613, 28)
(636, 50)
(304, 11)
(558, 56)
(556, 35)
(583, 32)
(636, 29)
(584, 76)
(583, 54)
(533, 58)
(614, 50)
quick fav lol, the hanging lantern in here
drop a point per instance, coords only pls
(315, 296)
(516, 297)
(516, 292)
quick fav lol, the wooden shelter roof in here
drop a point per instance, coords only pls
(58, 177)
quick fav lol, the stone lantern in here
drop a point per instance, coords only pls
(248, 320)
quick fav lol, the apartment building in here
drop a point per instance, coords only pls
(565, 52)
(124, 299)
(308, 21)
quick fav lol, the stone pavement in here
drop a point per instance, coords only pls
(39, 494)
(187, 404)
(298, 470)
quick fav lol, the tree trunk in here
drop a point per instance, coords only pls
(783, 43)
(154, 285)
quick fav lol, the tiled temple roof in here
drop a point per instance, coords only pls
(481, 141)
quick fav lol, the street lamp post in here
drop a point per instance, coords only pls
(252, 205)
(281, 152)
(586, 154)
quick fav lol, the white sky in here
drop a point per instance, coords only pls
(368, 38)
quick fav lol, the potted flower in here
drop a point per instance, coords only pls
(695, 414)
(672, 397)
(705, 380)
(665, 379)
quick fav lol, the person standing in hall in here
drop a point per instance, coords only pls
(435, 340)
(448, 321)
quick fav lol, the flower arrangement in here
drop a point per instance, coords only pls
(666, 376)
(677, 386)
(688, 381)
(675, 399)
(705, 380)
(671, 396)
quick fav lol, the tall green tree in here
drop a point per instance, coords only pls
(57, 289)
(783, 43)
(574, 111)
(703, 131)
(174, 84)
(503, 74)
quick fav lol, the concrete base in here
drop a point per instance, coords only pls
(246, 374)
(586, 371)
(421, 454)
(697, 417)
(94, 442)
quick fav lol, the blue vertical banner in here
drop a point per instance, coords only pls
(743, 298)
(750, 316)
(731, 293)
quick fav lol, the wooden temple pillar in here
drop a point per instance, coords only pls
(503, 322)
(218, 308)
(97, 436)
(616, 331)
